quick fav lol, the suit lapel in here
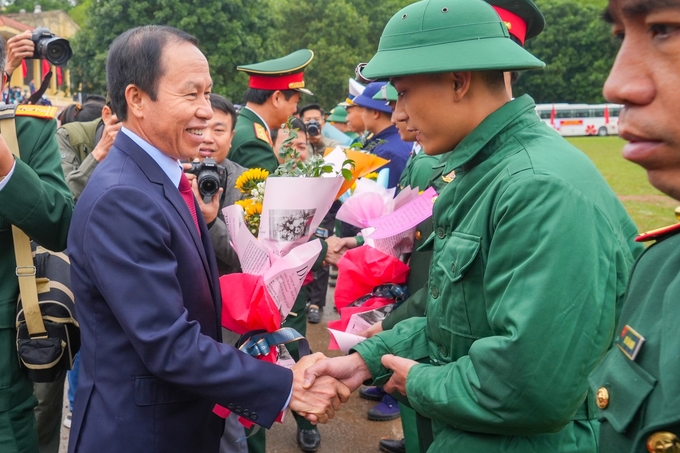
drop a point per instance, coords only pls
(157, 176)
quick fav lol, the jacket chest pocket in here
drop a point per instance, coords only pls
(621, 387)
(454, 284)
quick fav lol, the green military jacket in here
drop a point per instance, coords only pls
(37, 200)
(76, 141)
(417, 173)
(251, 146)
(638, 382)
(531, 252)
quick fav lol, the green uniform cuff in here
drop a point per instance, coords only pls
(322, 256)
(407, 340)
(360, 240)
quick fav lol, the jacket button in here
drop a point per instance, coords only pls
(602, 398)
(419, 235)
(443, 351)
(246, 412)
(238, 410)
(230, 406)
(441, 233)
(253, 416)
(453, 267)
(435, 292)
(663, 442)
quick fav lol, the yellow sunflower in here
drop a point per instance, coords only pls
(372, 175)
(250, 178)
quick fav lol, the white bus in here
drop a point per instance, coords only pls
(581, 119)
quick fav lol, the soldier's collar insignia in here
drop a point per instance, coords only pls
(658, 233)
(450, 177)
(630, 342)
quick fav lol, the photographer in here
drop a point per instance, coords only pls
(216, 145)
(35, 198)
(314, 118)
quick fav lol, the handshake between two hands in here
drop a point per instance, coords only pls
(321, 385)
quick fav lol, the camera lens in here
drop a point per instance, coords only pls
(55, 50)
(208, 184)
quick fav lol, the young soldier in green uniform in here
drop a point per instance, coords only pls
(273, 94)
(638, 382)
(35, 198)
(530, 248)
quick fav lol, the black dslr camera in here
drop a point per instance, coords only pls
(313, 128)
(50, 47)
(210, 176)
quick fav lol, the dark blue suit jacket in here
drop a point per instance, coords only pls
(389, 145)
(148, 302)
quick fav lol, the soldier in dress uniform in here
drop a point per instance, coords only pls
(273, 94)
(35, 198)
(638, 382)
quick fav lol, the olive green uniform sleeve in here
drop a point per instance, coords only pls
(77, 173)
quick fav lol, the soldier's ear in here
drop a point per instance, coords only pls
(136, 100)
(460, 83)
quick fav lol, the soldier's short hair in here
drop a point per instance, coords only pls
(259, 97)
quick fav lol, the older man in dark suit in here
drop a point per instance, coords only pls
(145, 278)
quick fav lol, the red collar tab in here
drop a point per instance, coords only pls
(658, 233)
(277, 82)
(516, 25)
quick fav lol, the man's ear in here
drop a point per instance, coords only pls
(136, 100)
(277, 98)
(460, 83)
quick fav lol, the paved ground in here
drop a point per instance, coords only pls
(349, 431)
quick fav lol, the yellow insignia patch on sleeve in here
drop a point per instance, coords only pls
(261, 133)
(37, 111)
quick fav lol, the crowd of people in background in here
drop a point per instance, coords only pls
(531, 296)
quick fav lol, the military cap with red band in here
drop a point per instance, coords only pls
(285, 73)
(522, 17)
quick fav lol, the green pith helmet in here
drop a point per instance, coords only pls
(338, 115)
(285, 73)
(387, 93)
(433, 36)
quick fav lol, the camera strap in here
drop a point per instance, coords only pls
(35, 97)
(25, 270)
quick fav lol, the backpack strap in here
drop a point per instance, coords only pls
(25, 270)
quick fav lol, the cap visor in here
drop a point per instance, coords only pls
(366, 102)
(473, 55)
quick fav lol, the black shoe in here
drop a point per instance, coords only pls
(314, 314)
(392, 446)
(309, 439)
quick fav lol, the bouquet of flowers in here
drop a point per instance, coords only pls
(370, 277)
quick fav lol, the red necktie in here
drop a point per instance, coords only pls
(188, 195)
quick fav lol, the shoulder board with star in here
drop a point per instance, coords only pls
(658, 233)
(46, 112)
(261, 133)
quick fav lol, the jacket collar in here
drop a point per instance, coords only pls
(496, 128)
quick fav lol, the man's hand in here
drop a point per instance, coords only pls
(111, 128)
(18, 48)
(6, 158)
(373, 330)
(351, 370)
(209, 210)
(400, 366)
(319, 402)
(337, 248)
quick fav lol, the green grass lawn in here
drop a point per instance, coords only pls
(648, 207)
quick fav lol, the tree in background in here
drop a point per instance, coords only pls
(29, 5)
(230, 33)
(578, 49)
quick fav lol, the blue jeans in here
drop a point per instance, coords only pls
(73, 381)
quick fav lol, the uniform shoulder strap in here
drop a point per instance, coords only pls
(46, 112)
